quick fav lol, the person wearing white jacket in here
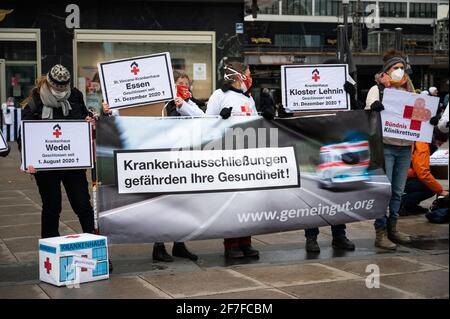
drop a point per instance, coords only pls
(233, 99)
(443, 122)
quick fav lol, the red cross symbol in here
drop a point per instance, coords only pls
(73, 236)
(84, 256)
(135, 70)
(48, 265)
(316, 77)
(246, 109)
(57, 133)
(407, 114)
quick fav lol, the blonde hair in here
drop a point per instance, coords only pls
(40, 81)
(180, 75)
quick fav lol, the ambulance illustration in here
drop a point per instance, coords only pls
(343, 163)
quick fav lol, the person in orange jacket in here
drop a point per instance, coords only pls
(421, 184)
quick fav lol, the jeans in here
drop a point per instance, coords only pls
(76, 185)
(397, 160)
(336, 230)
(415, 192)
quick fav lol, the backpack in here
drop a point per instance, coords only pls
(438, 213)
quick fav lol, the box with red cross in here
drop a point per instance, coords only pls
(74, 259)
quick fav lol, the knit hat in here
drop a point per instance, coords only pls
(393, 61)
(59, 77)
(433, 90)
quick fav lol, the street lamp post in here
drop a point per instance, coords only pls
(345, 4)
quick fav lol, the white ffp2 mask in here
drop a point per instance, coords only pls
(398, 74)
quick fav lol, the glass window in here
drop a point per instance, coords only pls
(328, 8)
(423, 10)
(183, 55)
(297, 7)
(393, 9)
(265, 7)
(20, 68)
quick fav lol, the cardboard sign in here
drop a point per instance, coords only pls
(307, 88)
(407, 115)
(74, 259)
(3, 145)
(53, 145)
(137, 81)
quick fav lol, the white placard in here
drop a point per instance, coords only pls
(199, 71)
(407, 115)
(84, 262)
(439, 158)
(209, 170)
(307, 88)
(53, 145)
(3, 145)
(137, 81)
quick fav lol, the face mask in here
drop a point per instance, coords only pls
(183, 92)
(59, 95)
(246, 84)
(397, 75)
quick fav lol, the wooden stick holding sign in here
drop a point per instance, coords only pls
(137, 81)
(314, 88)
(57, 145)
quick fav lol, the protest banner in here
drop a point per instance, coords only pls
(3, 145)
(55, 145)
(340, 172)
(407, 115)
(195, 171)
(137, 81)
(307, 88)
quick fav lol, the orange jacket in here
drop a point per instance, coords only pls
(420, 167)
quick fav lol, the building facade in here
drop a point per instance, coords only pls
(79, 34)
(305, 32)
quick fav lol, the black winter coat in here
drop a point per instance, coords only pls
(33, 111)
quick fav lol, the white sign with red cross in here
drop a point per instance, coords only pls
(74, 259)
(407, 115)
(314, 88)
(137, 81)
(55, 145)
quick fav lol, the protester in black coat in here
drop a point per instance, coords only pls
(52, 98)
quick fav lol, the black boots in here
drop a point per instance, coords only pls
(249, 251)
(343, 243)
(311, 245)
(160, 253)
(340, 242)
(241, 252)
(180, 250)
(233, 253)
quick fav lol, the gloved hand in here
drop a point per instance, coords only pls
(377, 106)
(435, 120)
(226, 112)
(349, 88)
(268, 115)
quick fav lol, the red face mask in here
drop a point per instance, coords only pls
(248, 82)
(183, 92)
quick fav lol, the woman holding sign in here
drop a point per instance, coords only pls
(234, 99)
(397, 152)
(51, 99)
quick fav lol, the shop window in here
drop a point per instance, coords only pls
(91, 49)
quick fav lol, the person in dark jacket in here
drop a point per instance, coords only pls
(51, 99)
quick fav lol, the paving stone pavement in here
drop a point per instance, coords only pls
(284, 270)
